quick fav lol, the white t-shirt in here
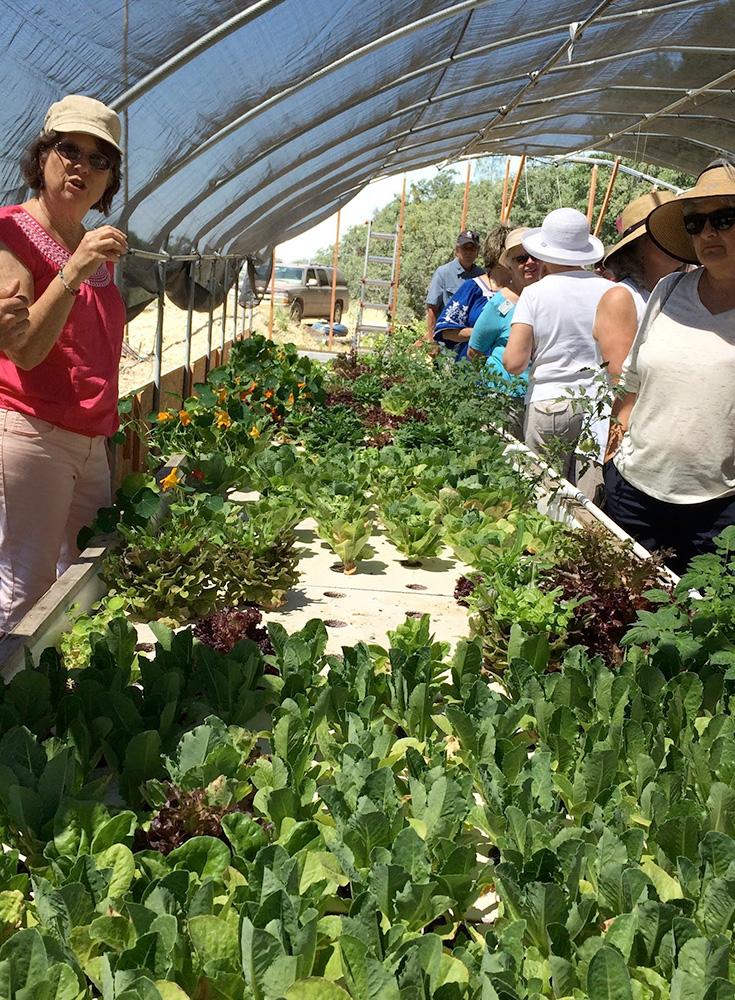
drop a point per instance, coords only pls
(680, 444)
(561, 309)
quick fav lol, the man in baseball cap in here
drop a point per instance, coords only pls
(448, 277)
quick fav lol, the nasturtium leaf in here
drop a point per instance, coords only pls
(608, 977)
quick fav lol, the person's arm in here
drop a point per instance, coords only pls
(457, 336)
(616, 323)
(519, 348)
(48, 314)
(431, 314)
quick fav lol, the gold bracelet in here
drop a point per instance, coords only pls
(65, 283)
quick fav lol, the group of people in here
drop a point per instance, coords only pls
(661, 332)
(544, 321)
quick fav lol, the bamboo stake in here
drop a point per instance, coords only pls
(399, 247)
(466, 200)
(505, 189)
(271, 311)
(606, 199)
(335, 259)
(593, 193)
(514, 190)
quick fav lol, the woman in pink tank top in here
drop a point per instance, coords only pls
(61, 330)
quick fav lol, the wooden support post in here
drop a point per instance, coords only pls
(273, 297)
(505, 190)
(397, 268)
(514, 190)
(592, 195)
(466, 199)
(333, 300)
(608, 195)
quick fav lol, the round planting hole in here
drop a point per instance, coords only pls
(144, 647)
(414, 614)
(334, 623)
(333, 593)
(415, 586)
(337, 568)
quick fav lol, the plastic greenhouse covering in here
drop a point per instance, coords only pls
(247, 123)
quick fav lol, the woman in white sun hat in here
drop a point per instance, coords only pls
(672, 483)
(552, 329)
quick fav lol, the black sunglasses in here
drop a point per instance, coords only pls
(73, 154)
(522, 258)
(721, 218)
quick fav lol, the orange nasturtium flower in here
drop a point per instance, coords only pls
(290, 399)
(268, 394)
(223, 419)
(300, 385)
(184, 417)
(221, 394)
(246, 392)
(254, 432)
(171, 480)
(165, 415)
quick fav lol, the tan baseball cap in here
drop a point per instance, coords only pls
(76, 113)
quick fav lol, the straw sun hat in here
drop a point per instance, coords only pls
(665, 224)
(564, 238)
(513, 240)
(633, 219)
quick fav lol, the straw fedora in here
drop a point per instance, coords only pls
(564, 238)
(633, 219)
(513, 240)
(665, 224)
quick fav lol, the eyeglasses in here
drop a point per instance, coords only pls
(522, 258)
(73, 154)
(720, 219)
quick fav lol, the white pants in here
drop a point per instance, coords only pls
(52, 483)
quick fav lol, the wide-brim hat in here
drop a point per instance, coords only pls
(76, 113)
(633, 219)
(513, 240)
(665, 225)
(564, 238)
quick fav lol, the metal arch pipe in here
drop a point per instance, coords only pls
(686, 99)
(188, 53)
(536, 75)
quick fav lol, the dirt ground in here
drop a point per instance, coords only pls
(141, 335)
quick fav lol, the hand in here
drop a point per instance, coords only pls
(614, 440)
(97, 247)
(14, 319)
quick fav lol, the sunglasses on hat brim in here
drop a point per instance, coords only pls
(720, 219)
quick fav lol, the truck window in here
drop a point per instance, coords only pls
(323, 277)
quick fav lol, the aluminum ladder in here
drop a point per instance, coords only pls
(377, 282)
